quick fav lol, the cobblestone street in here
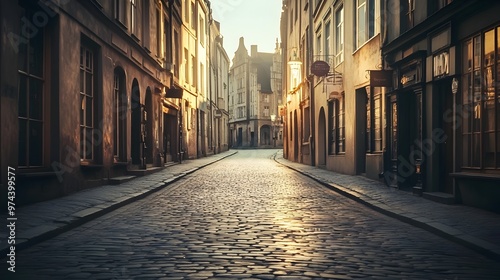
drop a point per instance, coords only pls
(248, 217)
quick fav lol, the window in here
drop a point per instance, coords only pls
(186, 66)
(367, 18)
(186, 11)
(327, 42)
(194, 80)
(296, 9)
(336, 126)
(202, 30)
(121, 12)
(158, 33)
(373, 120)
(306, 132)
(202, 78)
(87, 104)
(481, 101)
(31, 98)
(361, 35)
(332, 126)
(133, 17)
(318, 41)
(193, 16)
(408, 18)
(119, 116)
(443, 3)
(377, 119)
(339, 35)
(176, 53)
(266, 111)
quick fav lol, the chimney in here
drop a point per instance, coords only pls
(253, 50)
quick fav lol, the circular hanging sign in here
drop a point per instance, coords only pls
(320, 68)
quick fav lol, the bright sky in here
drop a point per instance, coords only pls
(258, 21)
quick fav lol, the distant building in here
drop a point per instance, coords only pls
(252, 100)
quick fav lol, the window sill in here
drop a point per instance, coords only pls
(473, 175)
(89, 165)
(337, 155)
(121, 24)
(366, 43)
(42, 174)
(135, 38)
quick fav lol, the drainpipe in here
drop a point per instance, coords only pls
(312, 112)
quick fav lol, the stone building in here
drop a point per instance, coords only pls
(334, 116)
(444, 107)
(95, 92)
(252, 100)
(401, 91)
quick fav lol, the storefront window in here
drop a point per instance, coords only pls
(481, 102)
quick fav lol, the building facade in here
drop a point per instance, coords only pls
(401, 91)
(252, 100)
(334, 115)
(219, 90)
(122, 66)
(443, 110)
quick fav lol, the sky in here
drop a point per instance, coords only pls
(258, 21)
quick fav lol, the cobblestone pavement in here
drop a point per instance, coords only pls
(249, 217)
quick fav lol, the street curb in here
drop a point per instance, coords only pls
(51, 231)
(483, 247)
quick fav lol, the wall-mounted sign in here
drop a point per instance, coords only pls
(320, 68)
(174, 93)
(441, 64)
(407, 78)
(381, 78)
(454, 86)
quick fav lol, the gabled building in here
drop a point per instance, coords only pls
(252, 101)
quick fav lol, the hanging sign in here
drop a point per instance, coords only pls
(320, 68)
(381, 78)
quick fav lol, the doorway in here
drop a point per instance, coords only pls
(135, 135)
(322, 138)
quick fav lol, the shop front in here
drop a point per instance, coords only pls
(405, 105)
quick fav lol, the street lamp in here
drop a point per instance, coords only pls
(273, 119)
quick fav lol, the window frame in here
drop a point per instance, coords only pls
(32, 159)
(120, 12)
(480, 120)
(88, 116)
(339, 35)
(371, 16)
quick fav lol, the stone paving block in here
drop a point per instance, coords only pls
(86, 212)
